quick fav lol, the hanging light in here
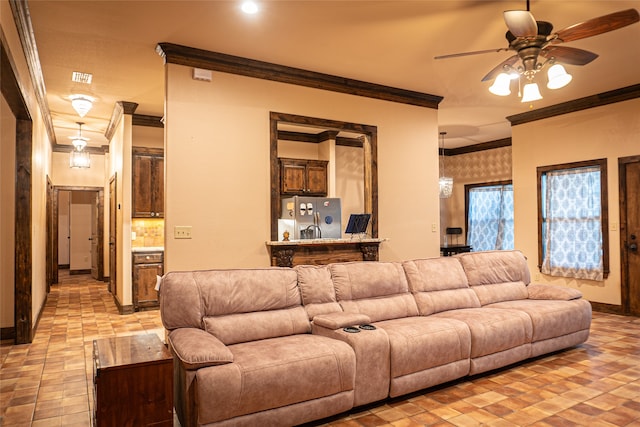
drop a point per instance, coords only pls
(446, 183)
(81, 103)
(79, 141)
(78, 158)
(558, 77)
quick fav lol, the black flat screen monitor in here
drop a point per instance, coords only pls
(357, 223)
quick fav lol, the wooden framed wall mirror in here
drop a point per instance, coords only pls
(351, 152)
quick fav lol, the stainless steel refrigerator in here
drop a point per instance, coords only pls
(313, 217)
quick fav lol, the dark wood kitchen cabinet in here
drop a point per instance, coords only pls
(148, 183)
(133, 382)
(146, 266)
(303, 177)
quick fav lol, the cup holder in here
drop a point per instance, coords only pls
(367, 327)
(351, 329)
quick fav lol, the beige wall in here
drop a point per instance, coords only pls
(41, 162)
(147, 136)
(7, 213)
(217, 167)
(120, 165)
(611, 132)
(471, 168)
(63, 175)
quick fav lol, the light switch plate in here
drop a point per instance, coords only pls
(182, 232)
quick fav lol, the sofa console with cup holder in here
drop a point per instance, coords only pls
(285, 346)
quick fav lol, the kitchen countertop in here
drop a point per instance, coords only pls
(148, 249)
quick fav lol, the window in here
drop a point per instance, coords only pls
(489, 209)
(572, 220)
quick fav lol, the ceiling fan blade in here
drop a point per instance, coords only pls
(568, 55)
(595, 26)
(501, 68)
(521, 23)
(477, 52)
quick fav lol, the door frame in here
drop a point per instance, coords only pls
(625, 290)
(100, 226)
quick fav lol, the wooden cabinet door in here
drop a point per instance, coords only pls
(293, 177)
(144, 284)
(148, 183)
(141, 188)
(317, 178)
(157, 202)
(303, 177)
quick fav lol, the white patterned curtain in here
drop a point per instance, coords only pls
(490, 218)
(571, 223)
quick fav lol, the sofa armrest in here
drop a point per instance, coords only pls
(340, 320)
(196, 348)
(552, 292)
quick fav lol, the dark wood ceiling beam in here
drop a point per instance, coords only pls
(60, 148)
(192, 57)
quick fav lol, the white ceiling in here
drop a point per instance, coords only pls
(385, 42)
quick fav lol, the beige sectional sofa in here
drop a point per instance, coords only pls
(278, 346)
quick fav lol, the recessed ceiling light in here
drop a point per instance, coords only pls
(249, 7)
(80, 77)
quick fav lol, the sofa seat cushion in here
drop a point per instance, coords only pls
(551, 319)
(274, 373)
(420, 343)
(493, 331)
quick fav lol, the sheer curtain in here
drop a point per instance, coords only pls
(571, 227)
(490, 218)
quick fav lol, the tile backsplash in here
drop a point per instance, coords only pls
(147, 232)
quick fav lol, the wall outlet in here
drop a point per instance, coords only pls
(433, 227)
(182, 232)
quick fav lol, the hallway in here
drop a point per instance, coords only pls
(49, 382)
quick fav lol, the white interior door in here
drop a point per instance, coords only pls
(80, 227)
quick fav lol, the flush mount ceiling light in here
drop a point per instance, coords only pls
(445, 182)
(249, 7)
(81, 103)
(532, 40)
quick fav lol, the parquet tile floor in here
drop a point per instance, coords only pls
(49, 382)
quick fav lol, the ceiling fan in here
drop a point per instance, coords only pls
(532, 39)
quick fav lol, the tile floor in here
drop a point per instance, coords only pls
(49, 382)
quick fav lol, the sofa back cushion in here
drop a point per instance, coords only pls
(496, 276)
(439, 284)
(235, 305)
(316, 288)
(377, 289)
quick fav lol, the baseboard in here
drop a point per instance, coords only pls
(123, 309)
(64, 266)
(76, 272)
(607, 308)
(8, 333)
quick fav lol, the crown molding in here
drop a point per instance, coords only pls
(120, 108)
(149, 121)
(215, 61)
(490, 145)
(604, 98)
(22, 20)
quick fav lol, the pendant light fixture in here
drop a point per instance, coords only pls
(446, 183)
(81, 103)
(78, 158)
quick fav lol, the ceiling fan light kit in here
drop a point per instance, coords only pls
(532, 39)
